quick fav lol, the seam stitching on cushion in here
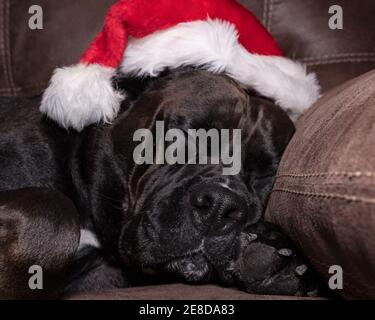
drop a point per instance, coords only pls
(265, 13)
(339, 55)
(7, 44)
(344, 197)
(270, 15)
(2, 42)
(356, 174)
(335, 61)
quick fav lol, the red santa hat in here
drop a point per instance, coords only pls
(144, 37)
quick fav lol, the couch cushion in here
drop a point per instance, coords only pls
(179, 292)
(301, 28)
(324, 196)
(28, 57)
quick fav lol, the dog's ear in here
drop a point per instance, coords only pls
(133, 86)
(268, 132)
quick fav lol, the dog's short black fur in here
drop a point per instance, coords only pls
(181, 221)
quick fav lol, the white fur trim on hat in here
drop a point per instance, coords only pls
(214, 45)
(81, 95)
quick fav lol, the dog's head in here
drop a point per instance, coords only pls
(184, 218)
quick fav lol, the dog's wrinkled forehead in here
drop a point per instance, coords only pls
(184, 99)
(201, 99)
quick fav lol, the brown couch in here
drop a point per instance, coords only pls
(324, 196)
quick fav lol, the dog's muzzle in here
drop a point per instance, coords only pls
(187, 227)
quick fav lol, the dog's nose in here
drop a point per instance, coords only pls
(218, 208)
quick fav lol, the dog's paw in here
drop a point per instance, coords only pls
(269, 264)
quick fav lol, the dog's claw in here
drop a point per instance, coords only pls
(313, 293)
(268, 263)
(301, 270)
(285, 252)
(252, 237)
(247, 238)
(231, 267)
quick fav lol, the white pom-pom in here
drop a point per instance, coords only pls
(81, 95)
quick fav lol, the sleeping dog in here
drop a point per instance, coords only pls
(78, 206)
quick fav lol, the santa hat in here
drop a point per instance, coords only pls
(143, 38)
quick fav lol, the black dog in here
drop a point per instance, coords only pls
(183, 221)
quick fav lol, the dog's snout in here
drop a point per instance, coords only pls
(218, 207)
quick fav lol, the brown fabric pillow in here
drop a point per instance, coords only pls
(324, 195)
